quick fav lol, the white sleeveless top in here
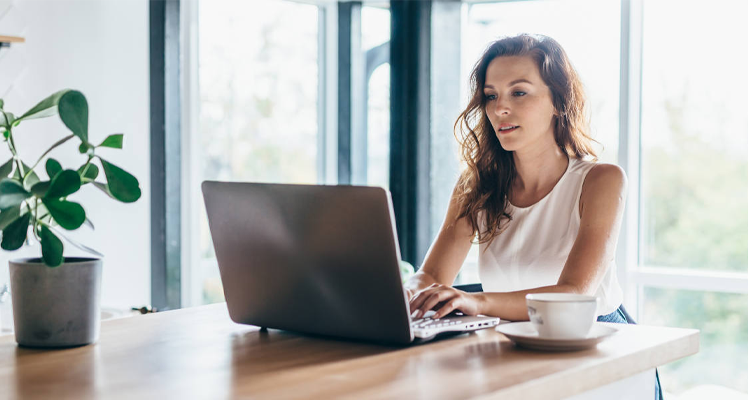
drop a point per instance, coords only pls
(533, 249)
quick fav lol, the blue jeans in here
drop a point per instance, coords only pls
(621, 316)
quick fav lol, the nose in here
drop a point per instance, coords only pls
(501, 107)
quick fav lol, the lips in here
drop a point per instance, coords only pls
(508, 128)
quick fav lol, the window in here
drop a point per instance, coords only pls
(723, 341)
(378, 128)
(258, 107)
(264, 106)
(694, 186)
(375, 40)
(693, 140)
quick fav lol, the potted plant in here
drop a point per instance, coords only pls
(55, 298)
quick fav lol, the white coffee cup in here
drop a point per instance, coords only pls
(562, 315)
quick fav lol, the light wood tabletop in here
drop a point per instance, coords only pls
(200, 353)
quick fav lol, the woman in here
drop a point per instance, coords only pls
(546, 215)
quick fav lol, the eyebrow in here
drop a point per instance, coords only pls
(514, 82)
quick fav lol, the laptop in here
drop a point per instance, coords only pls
(320, 260)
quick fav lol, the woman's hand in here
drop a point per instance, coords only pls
(447, 298)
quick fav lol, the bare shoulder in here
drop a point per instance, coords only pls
(604, 181)
(606, 174)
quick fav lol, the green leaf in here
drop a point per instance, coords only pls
(46, 107)
(15, 234)
(53, 167)
(73, 110)
(8, 216)
(64, 184)
(51, 247)
(12, 193)
(6, 168)
(104, 188)
(83, 148)
(68, 214)
(114, 141)
(31, 180)
(122, 186)
(91, 173)
(7, 119)
(40, 188)
(2, 103)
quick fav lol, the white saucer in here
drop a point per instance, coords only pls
(524, 334)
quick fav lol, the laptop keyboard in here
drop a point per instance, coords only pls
(426, 327)
(428, 323)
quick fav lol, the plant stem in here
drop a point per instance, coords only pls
(12, 147)
(19, 165)
(40, 219)
(36, 219)
(59, 142)
(88, 162)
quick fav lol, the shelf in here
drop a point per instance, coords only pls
(11, 39)
(5, 41)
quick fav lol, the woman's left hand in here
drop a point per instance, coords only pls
(448, 297)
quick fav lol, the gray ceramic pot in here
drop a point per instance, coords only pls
(56, 307)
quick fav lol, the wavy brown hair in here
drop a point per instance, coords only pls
(485, 185)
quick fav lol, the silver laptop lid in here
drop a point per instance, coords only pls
(314, 259)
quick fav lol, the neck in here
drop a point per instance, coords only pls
(537, 170)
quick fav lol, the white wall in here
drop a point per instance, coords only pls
(99, 47)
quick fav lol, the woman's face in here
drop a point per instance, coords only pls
(516, 96)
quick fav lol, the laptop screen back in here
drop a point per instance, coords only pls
(314, 259)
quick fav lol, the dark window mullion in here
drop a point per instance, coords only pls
(165, 154)
(347, 26)
(410, 125)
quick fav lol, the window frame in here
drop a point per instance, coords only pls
(165, 22)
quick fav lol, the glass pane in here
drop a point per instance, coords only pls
(723, 321)
(258, 72)
(375, 24)
(378, 129)
(375, 32)
(569, 23)
(694, 182)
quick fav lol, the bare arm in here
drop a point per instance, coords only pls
(446, 255)
(601, 208)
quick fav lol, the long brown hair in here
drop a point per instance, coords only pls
(484, 186)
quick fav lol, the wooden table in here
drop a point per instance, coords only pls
(199, 353)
